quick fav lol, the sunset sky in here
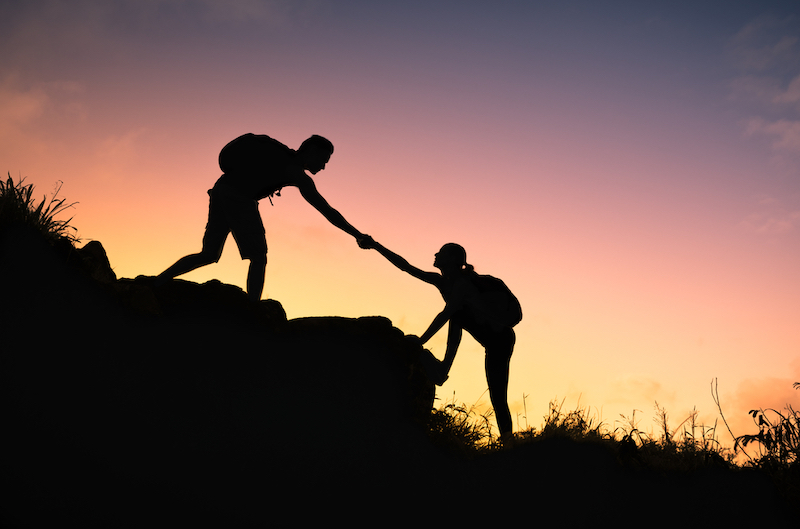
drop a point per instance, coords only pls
(630, 169)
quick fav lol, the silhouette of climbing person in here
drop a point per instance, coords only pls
(465, 309)
(256, 167)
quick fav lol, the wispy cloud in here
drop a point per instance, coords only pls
(767, 43)
(772, 218)
(766, 51)
(791, 94)
(784, 132)
(24, 104)
(46, 33)
(635, 389)
(767, 91)
(755, 88)
(19, 105)
(121, 147)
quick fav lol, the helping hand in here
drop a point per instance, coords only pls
(366, 242)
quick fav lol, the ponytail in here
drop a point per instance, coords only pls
(458, 256)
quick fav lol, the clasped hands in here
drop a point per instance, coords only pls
(366, 242)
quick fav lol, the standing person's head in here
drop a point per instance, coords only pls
(452, 257)
(315, 152)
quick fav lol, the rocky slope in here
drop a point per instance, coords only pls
(127, 405)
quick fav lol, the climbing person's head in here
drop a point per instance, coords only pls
(451, 257)
(315, 152)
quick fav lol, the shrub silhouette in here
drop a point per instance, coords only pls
(18, 208)
(778, 437)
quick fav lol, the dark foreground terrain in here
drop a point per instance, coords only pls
(129, 406)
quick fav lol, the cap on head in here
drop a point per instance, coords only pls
(456, 252)
(317, 142)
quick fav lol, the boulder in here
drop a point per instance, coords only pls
(95, 262)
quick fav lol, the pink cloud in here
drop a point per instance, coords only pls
(786, 132)
(772, 218)
(19, 106)
(791, 94)
(764, 43)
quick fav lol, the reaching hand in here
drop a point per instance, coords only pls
(366, 242)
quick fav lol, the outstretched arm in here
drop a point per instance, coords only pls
(309, 191)
(455, 301)
(429, 277)
(439, 321)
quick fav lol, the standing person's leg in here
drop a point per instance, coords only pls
(498, 360)
(248, 231)
(213, 241)
(255, 278)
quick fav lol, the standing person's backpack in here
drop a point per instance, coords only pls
(502, 306)
(250, 153)
(254, 154)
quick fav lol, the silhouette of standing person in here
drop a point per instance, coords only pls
(257, 167)
(465, 309)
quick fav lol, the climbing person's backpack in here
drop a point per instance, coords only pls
(252, 154)
(249, 153)
(501, 305)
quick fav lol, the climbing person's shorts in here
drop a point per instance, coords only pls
(228, 213)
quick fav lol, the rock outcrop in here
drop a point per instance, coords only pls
(190, 394)
(125, 405)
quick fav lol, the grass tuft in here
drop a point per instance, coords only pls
(777, 442)
(689, 446)
(683, 450)
(18, 208)
(461, 428)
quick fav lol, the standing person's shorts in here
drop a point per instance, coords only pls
(231, 214)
